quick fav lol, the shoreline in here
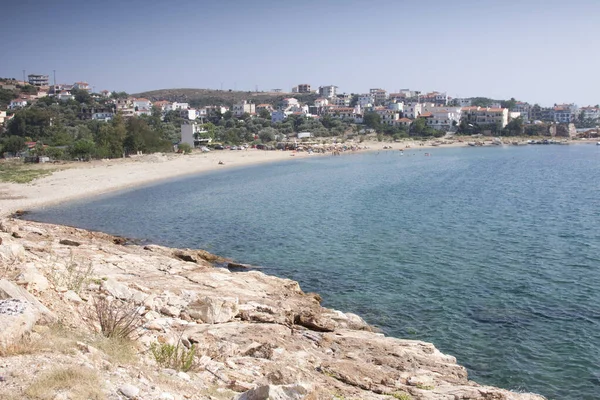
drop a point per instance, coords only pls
(75, 181)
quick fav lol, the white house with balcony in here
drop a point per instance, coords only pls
(175, 106)
(486, 115)
(565, 113)
(17, 103)
(590, 113)
(443, 118)
(104, 116)
(190, 131)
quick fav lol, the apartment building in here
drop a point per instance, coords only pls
(379, 95)
(38, 80)
(486, 115)
(328, 92)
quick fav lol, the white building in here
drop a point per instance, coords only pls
(328, 91)
(341, 100)
(386, 115)
(591, 113)
(240, 109)
(443, 118)
(379, 95)
(463, 102)
(289, 102)
(524, 109)
(486, 115)
(82, 86)
(175, 106)
(2, 117)
(17, 103)
(103, 116)
(412, 110)
(321, 102)
(189, 132)
(565, 113)
(366, 100)
(38, 80)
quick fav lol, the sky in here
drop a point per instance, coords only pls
(540, 51)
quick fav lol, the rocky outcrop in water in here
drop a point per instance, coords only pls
(254, 336)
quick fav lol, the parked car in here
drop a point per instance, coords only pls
(234, 148)
(219, 147)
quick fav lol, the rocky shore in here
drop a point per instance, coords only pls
(250, 335)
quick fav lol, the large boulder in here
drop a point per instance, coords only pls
(17, 318)
(214, 310)
(273, 392)
(11, 251)
(32, 279)
(19, 312)
(117, 289)
(9, 290)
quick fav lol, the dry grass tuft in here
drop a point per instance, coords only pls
(80, 383)
(119, 350)
(54, 338)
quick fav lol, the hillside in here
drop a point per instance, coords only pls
(204, 97)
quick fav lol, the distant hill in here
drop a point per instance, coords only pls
(205, 97)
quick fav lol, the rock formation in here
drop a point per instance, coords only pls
(252, 336)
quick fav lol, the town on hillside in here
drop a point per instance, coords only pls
(72, 121)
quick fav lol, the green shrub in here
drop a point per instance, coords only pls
(185, 148)
(176, 356)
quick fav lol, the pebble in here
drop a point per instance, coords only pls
(184, 376)
(129, 391)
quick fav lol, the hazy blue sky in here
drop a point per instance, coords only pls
(543, 51)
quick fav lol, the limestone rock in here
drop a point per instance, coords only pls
(32, 279)
(214, 310)
(116, 289)
(12, 251)
(273, 392)
(17, 317)
(9, 290)
(72, 297)
(129, 391)
(68, 242)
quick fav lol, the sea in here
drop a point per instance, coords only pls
(492, 254)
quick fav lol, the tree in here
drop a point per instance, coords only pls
(81, 96)
(372, 120)
(514, 127)
(14, 145)
(265, 114)
(267, 134)
(82, 149)
(510, 104)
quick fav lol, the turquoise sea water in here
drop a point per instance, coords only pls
(492, 254)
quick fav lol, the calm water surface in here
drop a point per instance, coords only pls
(492, 254)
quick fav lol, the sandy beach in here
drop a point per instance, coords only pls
(75, 180)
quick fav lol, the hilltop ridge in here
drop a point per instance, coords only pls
(204, 97)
